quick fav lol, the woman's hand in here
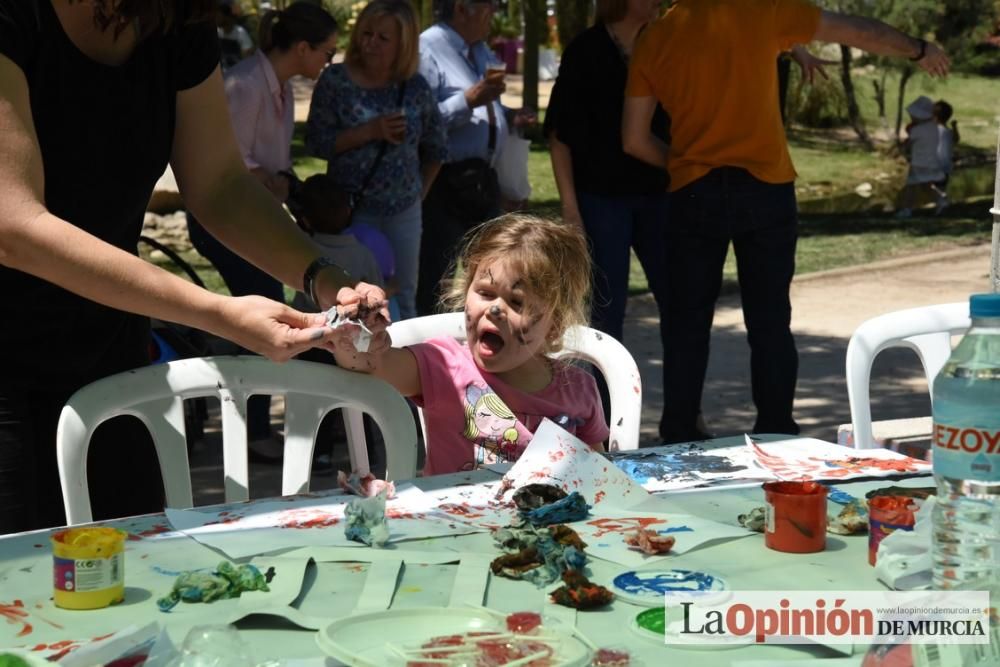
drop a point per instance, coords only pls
(389, 127)
(271, 329)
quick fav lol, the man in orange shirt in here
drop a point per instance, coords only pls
(710, 64)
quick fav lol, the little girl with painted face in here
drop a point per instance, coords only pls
(526, 280)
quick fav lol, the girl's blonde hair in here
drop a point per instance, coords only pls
(551, 258)
(408, 58)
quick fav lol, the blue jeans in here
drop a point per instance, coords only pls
(403, 231)
(614, 225)
(243, 279)
(760, 219)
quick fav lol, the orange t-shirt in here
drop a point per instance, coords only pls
(712, 66)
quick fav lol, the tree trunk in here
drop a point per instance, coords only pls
(534, 12)
(904, 78)
(853, 111)
(879, 86)
(571, 19)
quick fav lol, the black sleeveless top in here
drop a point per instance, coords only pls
(105, 134)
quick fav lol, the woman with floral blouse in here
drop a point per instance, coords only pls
(375, 98)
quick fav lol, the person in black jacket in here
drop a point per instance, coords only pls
(95, 98)
(620, 201)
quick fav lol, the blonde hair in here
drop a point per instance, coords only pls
(408, 57)
(610, 11)
(497, 408)
(551, 258)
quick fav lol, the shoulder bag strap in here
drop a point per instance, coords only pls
(378, 158)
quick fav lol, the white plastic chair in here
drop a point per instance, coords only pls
(607, 354)
(927, 330)
(154, 395)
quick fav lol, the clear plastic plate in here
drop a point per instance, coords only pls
(361, 641)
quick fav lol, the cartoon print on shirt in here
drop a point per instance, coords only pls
(490, 426)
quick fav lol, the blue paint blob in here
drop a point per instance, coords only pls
(676, 529)
(657, 583)
(838, 496)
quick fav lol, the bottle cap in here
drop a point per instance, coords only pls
(984, 305)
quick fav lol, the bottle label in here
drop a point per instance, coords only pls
(966, 452)
(86, 575)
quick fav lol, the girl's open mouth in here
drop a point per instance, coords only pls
(493, 342)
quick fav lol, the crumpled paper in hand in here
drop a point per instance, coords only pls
(361, 335)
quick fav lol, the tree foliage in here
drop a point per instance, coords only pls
(572, 18)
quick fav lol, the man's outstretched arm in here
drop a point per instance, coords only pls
(878, 38)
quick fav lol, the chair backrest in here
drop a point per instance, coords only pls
(155, 395)
(608, 355)
(927, 330)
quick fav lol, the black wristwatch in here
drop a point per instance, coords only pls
(309, 277)
(923, 50)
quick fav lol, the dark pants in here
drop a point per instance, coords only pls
(243, 279)
(728, 204)
(614, 226)
(123, 472)
(444, 227)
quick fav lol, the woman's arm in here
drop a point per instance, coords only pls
(325, 137)
(246, 103)
(389, 127)
(637, 140)
(562, 167)
(34, 241)
(229, 202)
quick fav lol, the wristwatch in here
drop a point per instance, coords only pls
(312, 271)
(922, 52)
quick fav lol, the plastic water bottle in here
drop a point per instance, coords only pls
(966, 546)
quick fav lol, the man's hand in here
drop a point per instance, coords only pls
(810, 64)
(484, 91)
(525, 118)
(934, 62)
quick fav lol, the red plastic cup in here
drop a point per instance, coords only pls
(796, 517)
(887, 514)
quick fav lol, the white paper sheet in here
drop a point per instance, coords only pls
(697, 465)
(605, 531)
(554, 456)
(300, 521)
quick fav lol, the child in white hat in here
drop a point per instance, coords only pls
(927, 169)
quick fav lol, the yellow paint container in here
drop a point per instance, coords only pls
(88, 567)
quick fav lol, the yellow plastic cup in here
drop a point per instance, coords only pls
(88, 567)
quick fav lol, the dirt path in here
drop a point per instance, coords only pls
(827, 307)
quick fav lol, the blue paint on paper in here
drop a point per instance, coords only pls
(658, 583)
(676, 529)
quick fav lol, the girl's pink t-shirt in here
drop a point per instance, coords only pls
(473, 417)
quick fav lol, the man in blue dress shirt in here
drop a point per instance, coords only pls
(467, 80)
